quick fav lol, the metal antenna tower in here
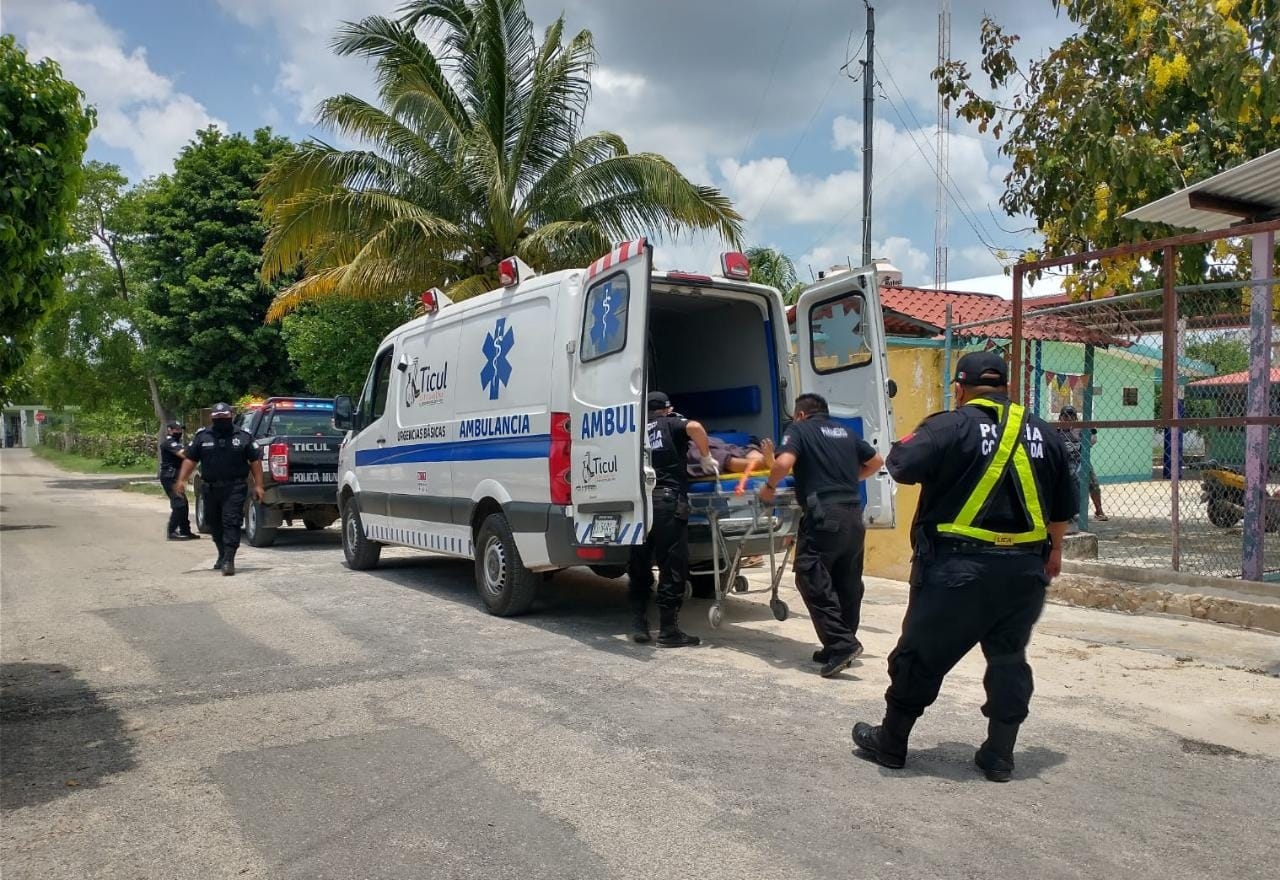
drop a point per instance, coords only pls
(943, 153)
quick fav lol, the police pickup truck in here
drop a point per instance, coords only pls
(299, 467)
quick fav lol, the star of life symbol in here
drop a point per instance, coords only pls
(497, 369)
(606, 324)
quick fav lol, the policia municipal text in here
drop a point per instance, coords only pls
(996, 496)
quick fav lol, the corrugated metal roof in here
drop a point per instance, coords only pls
(1256, 182)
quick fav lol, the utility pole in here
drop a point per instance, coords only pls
(943, 149)
(868, 126)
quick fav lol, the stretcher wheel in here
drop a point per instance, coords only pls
(740, 584)
(715, 616)
(779, 609)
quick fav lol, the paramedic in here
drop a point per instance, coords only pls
(226, 455)
(179, 528)
(996, 494)
(830, 462)
(669, 437)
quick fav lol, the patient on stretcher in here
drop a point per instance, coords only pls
(733, 459)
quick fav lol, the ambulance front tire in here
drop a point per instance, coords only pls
(506, 587)
(361, 553)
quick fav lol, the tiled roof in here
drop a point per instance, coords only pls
(1241, 378)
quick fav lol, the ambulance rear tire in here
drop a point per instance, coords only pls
(361, 553)
(506, 587)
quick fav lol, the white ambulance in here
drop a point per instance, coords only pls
(509, 428)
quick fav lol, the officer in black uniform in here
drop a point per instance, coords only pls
(226, 455)
(179, 528)
(830, 461)
(996, 496)
(669, 436)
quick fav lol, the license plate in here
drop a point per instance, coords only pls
(604, 529)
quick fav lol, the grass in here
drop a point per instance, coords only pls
(69, 461)
(144, 489)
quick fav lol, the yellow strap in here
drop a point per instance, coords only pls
(1010, 451)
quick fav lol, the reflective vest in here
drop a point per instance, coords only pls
(1013, 453)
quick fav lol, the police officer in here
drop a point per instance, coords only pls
(669, 436)
(996, 495)
(829, 461)
(179, 528)
(226, 455)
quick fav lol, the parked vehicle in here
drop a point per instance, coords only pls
(509, 428)
(1222, 491)
(299, 467)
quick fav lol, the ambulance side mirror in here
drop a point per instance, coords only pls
(891, 389)
(343, 413)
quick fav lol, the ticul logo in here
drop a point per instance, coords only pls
(497, 369)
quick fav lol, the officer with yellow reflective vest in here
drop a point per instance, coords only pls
(996, 496)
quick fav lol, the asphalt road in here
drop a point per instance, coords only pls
(304, 721)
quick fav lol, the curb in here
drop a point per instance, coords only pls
(1092, 592)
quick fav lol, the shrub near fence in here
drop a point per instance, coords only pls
(112, 436)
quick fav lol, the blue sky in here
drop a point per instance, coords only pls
(742, 94)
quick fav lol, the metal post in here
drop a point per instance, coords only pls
(946, 362)
(1168, 396)
(1086, 436)
(1256, 403)
(868, 128)
(1039, 379)
(1014, 353)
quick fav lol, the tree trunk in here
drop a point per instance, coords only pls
(161, 411)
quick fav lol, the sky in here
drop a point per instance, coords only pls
(745, 95)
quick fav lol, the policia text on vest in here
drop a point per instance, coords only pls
(996, 495)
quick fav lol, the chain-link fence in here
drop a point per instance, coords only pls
(1164, 482)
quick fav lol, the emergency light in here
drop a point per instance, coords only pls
(431, 300)
(509, 272)
(735, 265)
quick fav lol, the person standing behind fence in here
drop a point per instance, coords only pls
(1075, 449)
(179, 528)
(996, 496)
(226, 455)
(830, 462)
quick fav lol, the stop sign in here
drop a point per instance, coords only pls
(40, 417)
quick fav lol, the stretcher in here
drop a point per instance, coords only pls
(741, 525)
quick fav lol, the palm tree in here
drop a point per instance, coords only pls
(772, 267)
(473, 153)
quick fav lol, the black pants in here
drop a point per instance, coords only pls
(179, 512)
(828, 571)
(224, 512)
(668, 544)
(958, 601)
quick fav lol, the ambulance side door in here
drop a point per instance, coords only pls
(608, 471)
(842, 355)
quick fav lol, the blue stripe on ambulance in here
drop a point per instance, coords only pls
(496, 449)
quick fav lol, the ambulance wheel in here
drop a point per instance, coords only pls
(740, 584)
(506, 587)
(779, 609)
(202, 521)
(255, 532)
(360, 552)
(715, 616)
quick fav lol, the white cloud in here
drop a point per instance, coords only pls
(139, 110)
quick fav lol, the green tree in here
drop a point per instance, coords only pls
(200, 247)
(332, 342)
(774, 268)
(1228, 354)
(1145, 99)
(44, 130)
(473, 154)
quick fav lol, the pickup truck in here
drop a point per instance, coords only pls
(299, 467)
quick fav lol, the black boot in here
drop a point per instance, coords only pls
(640, 621)
(222, 557)
(669, 634)
(229, 564)
(995, 757)
(886, 743)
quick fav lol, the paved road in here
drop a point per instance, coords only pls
(304, 721)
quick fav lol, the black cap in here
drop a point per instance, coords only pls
(658, 400)
(982, 368)
(221, 411)
(1067, 410)
(175, 424)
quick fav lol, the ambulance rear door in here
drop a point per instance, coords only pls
(841, 355)
(608, 471)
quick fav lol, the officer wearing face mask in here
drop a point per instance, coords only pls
(179, 528)
(226, 455)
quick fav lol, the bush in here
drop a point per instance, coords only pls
(111, 436)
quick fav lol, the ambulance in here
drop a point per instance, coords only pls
(509, 429)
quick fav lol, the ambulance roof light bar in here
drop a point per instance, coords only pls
(513, 270)
(735, 265)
